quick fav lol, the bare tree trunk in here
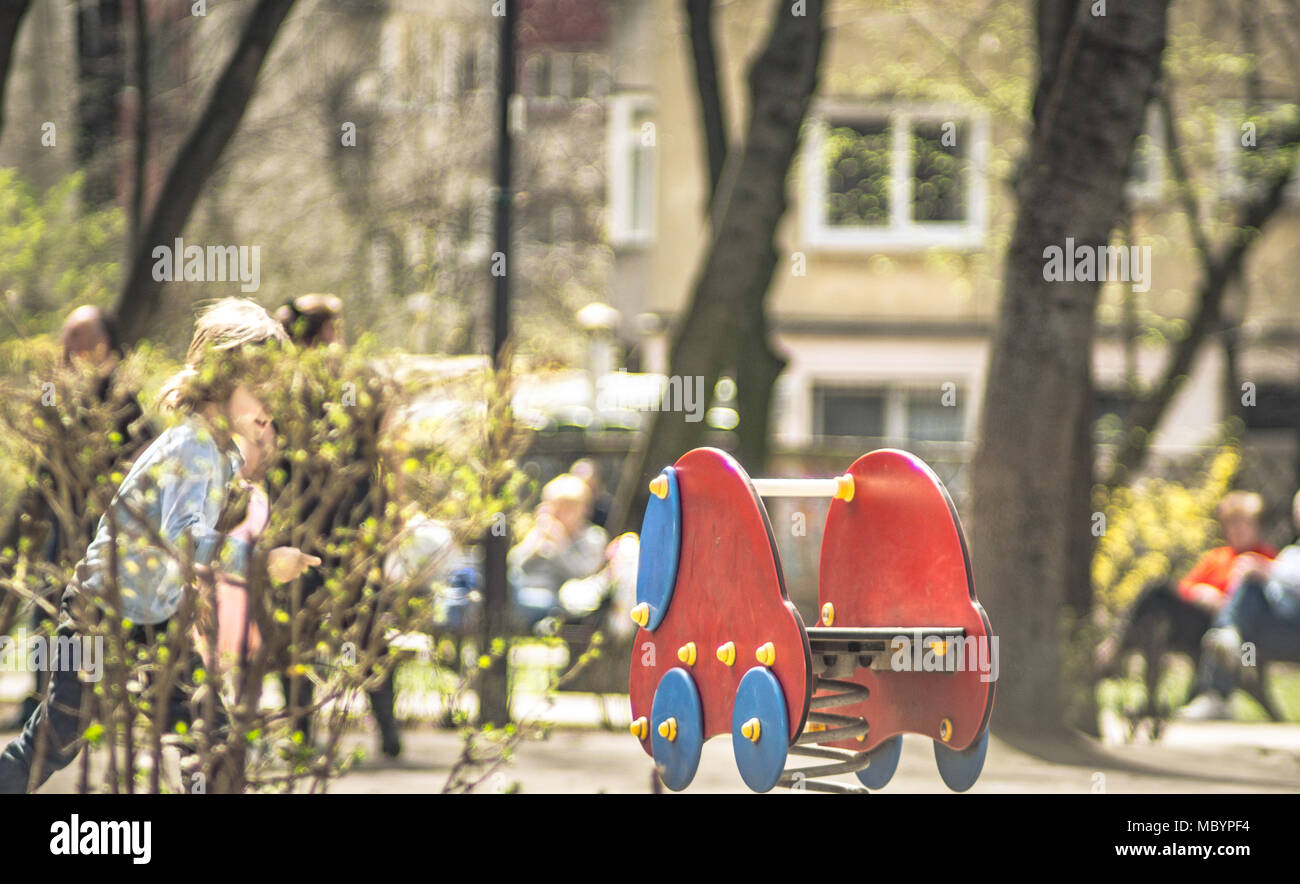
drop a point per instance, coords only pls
(195, 161)
(11, 16)
(1053, 19)
(732, 282)
(756, 369)
(713, 118)
(1031, 538)
(101, 77)
(756, 365)
(1078, 463)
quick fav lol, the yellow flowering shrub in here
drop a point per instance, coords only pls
(1156, 528)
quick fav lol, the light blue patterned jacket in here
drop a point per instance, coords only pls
(176, 488)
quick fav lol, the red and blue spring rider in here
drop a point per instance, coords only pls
(902, 645)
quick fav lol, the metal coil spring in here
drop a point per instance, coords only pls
(838, 727)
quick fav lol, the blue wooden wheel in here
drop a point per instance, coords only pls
(760, 729)
(960, 768)
(661, 545)
(884, 761)
(677, 709)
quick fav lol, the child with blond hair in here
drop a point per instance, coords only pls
(159, 540)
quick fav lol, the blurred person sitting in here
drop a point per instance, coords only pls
(562, 545)
(614, 583)
(91, 354)
(1210, 582)
(1173, 617)
(1262, 610)
(601, 502)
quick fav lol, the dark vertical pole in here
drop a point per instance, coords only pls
(140, 166)
(504, 193)
(494, 688)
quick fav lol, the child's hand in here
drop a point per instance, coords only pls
(285, 563)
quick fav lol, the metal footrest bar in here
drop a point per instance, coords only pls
(874, 639)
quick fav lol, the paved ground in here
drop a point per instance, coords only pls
(1219, 757)
(578, 755)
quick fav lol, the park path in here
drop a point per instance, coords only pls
(578, 755)
(1198, 758)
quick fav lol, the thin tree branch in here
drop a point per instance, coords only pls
(713, 119)
(196, 160)
(1182, 180)
(958, 58)
(1220, 271)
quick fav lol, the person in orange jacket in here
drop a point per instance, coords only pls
(1212, 579)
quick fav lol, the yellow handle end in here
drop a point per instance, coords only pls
(844, 487)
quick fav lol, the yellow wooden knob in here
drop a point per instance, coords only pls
(640, 614)
(766, 653)
(844, 486)
(659, 486)
(945, 729)
(828, 614)
(668, 729)
(640, 728)
(686, 653)
(727, 653)
(752, 729)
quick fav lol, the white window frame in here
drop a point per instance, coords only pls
(902, 233)
(1232, 186)
(620, 141)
